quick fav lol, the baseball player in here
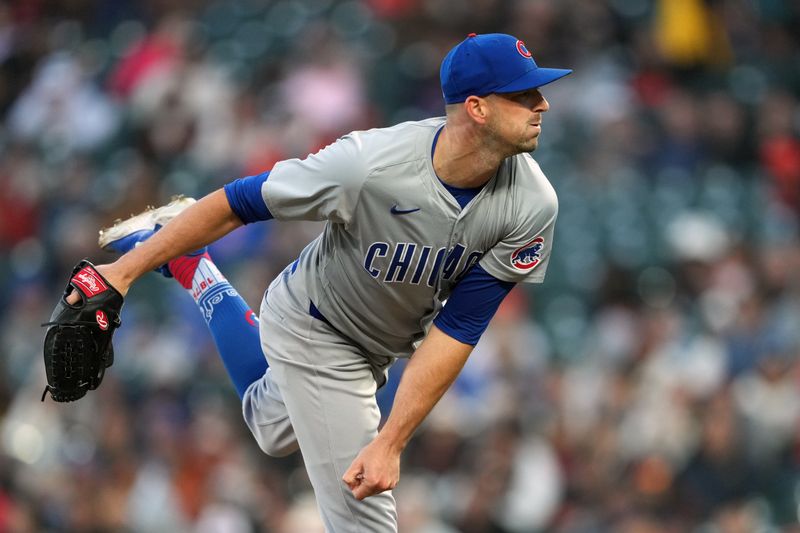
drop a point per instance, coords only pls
(448, 209)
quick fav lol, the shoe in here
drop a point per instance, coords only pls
(125, 235)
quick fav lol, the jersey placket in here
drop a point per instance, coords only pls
(453, 211)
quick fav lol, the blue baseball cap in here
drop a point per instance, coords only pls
(492, 63)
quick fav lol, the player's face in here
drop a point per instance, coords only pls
(516, 119)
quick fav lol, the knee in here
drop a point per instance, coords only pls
(275, 437)
(268, 421)
(276, 447)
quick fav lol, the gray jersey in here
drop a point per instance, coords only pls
(396, 241)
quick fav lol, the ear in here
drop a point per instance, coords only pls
(477, 108)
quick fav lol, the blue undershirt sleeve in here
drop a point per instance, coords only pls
(472, 305)
(245, 199)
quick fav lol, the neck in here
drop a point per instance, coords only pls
(464, 159)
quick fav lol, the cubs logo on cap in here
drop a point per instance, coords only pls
(492, 63)
(522, 49)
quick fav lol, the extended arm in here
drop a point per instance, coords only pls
(432, 369)
(430, 372)
(200, 224)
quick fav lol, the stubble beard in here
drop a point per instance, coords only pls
(522, 144)
(529, 145)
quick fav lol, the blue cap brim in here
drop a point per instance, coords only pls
(534, 78)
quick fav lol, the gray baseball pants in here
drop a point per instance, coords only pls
(317, 396)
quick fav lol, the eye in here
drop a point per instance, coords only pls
(524, 96)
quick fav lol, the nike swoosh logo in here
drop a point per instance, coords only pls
(396, 211)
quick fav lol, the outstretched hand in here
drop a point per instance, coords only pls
(108, 272)
(374, 470)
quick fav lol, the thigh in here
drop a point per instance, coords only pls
(328, 388)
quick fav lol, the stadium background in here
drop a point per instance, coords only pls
(650, 385)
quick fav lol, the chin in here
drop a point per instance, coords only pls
(529, 146)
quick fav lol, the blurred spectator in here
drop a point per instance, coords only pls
(61, 110)
(152, 55)
(780, 145)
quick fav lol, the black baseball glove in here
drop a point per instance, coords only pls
(77, 346)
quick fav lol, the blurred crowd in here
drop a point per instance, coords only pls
(651, 385)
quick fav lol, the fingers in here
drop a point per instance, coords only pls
(354, 475)
(363, 487)
(371, 473)
(363, 491)
(369, 488)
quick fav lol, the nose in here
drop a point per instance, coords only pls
(542, 105)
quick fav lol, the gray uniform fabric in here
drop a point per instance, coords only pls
(395, 245)
(318, 395)
(380, 277)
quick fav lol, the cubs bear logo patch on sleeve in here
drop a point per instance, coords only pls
(528, 256)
